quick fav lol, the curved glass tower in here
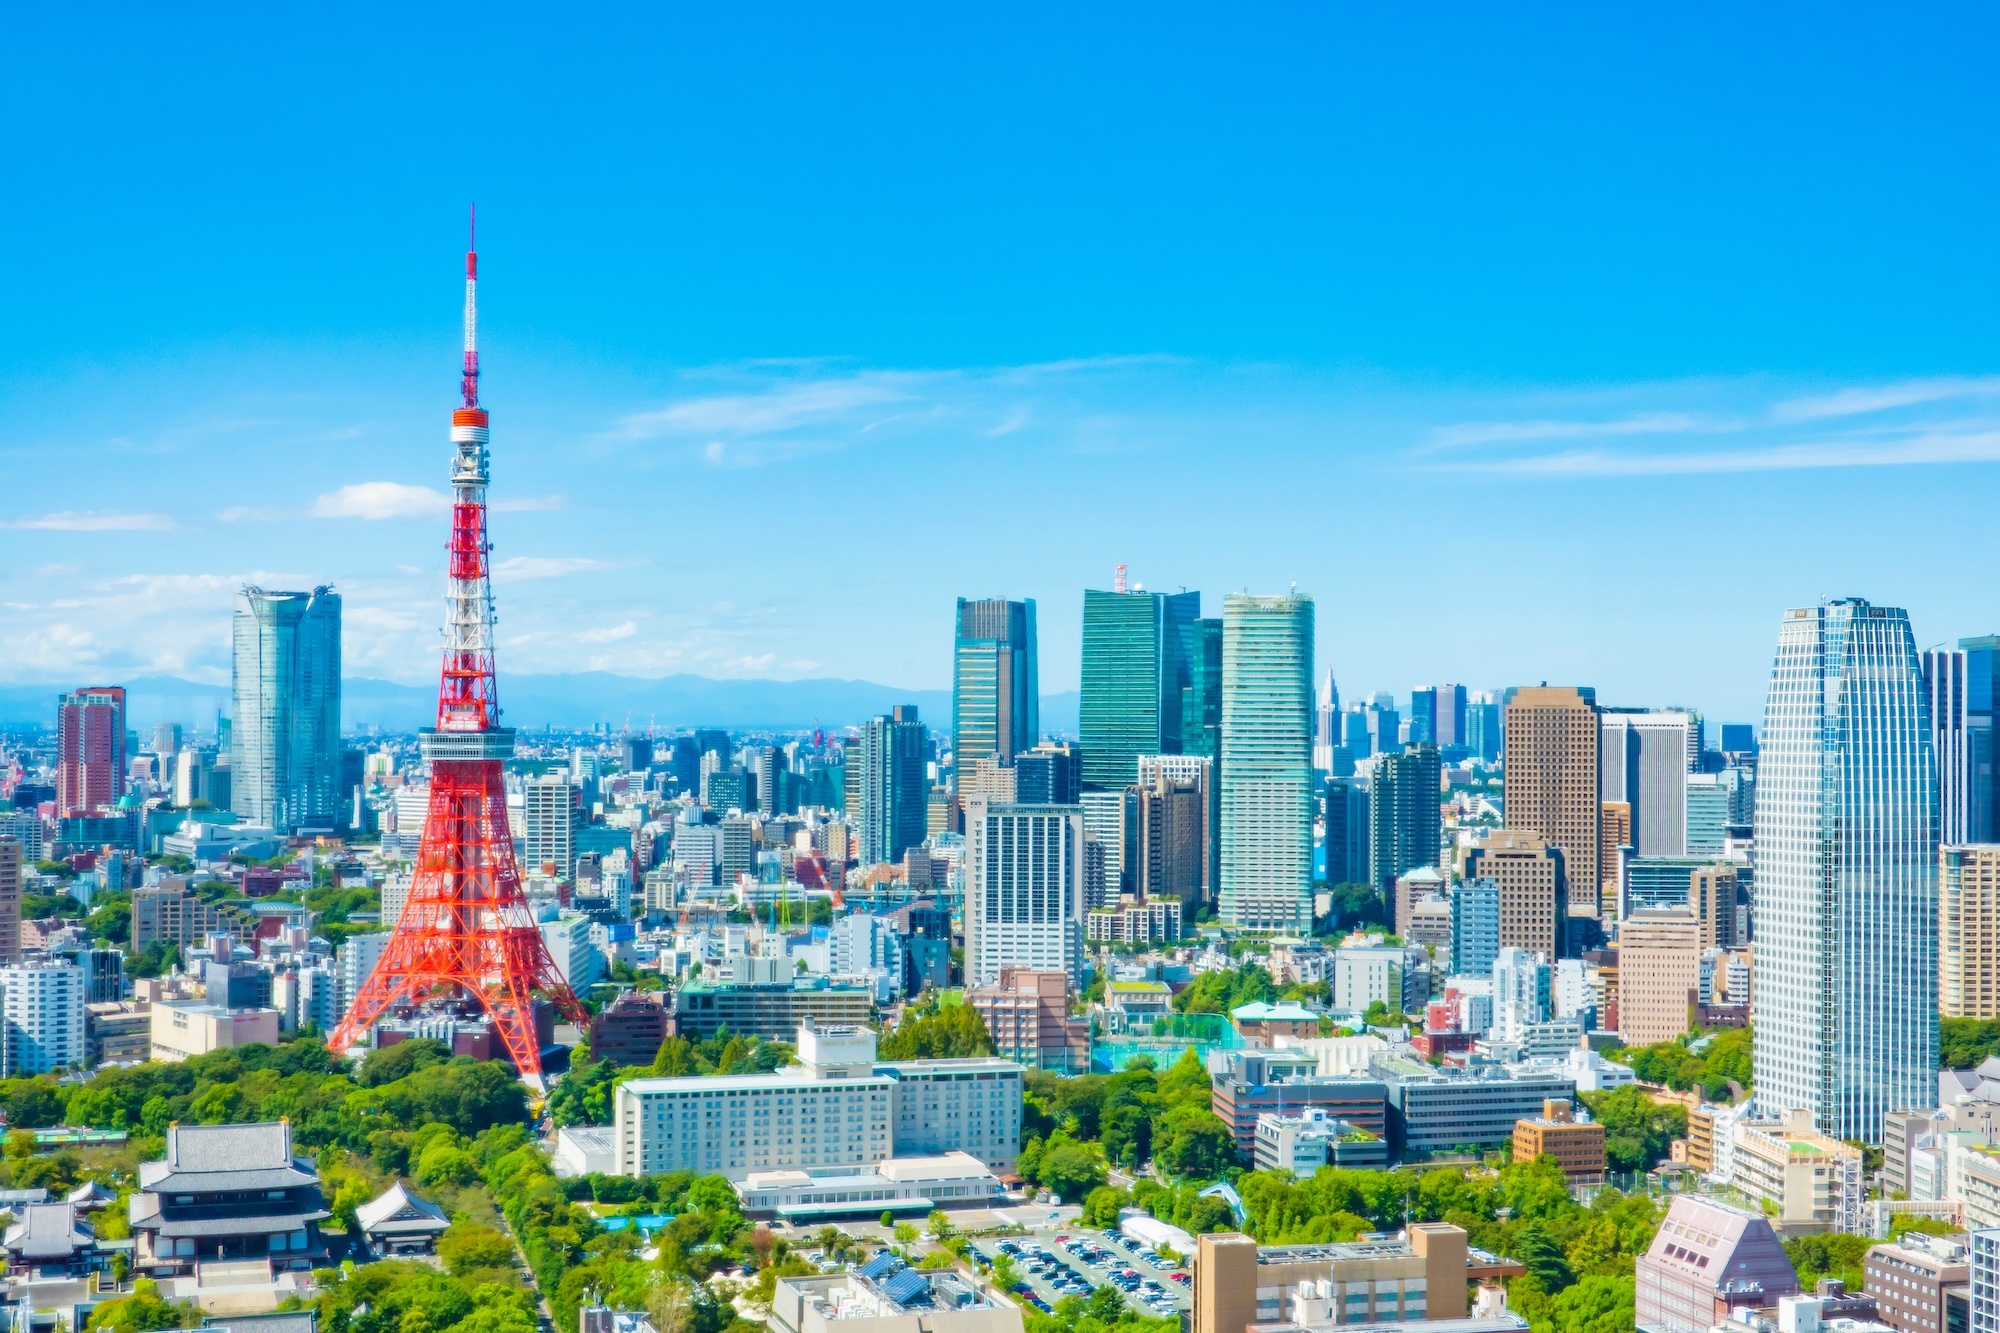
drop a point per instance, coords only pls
(1267, 781)
(1845, 1007)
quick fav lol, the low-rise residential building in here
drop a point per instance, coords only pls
(771, 1011)
(1813, 1180)
(631, 1029)
(1367, 972)
(1912, 1280)
(184, 1028)
(838, 1107)
(1135, 1004)
(1265, 1022)
(1303, 1143)
(896, 1185)
(1027, 1015)
(1577, 1145)
(1708, 1260)
(1257, 1083)
(1156, 920)
(228, 1192)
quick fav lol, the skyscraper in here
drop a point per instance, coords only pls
(1023, 890)
(1348, 840)
(1405, 818)
(1982, 670)
(1451, 716)
(995, 694)
(1482, 726)
(285, 755)
(1845, 1006)
(1552, 776)
(1136, 647)
(1645, 757)
(1423, 717)
(1945, 685)
(1326, 723)
(895, 748)
(90, 749)
(1049, 774)
(549, 804)
(1267, 797)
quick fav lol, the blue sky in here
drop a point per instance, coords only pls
(1545, 343)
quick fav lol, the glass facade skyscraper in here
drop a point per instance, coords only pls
(1405, 821)
(895, 750)
(1138, 650)
(1845, 1006)
(285, 726)
(1267, 777)
(1982, 667)
(995, 694)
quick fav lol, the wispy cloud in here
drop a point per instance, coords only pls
(610, 635)
(522, 568)
(784, 408)
(381, 500)
(1522, 432)
(93, 521)
(1883, 398)
(1975, 448)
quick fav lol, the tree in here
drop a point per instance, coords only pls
(934, 1031)
(468, 1247)
(141, 1312)
(668, 1306)
(1638, 1131)
(1005, 1275)
(1101, 1207)
(906, 1234)
(1543, 1257)
(938, 1224)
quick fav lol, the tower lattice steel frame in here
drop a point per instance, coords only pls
(466, 929)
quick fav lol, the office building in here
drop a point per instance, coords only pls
(995, 694)
(1710, 800)
(1614, 848)
(1167, 832)
(837, 1107)
(1326, 723)
(43, 1005)
(1418, 1280)
(549, 816)
(354, 963)
(1915, 1280)
(1532, 878)
(1027, 1015)
(1301, 1144)
(183, 1029)
(1484, 728)
(1449, 715)
(1659, 967)
(1267, 796)
(770, 1003)
(10, 900)
(1133, 674)
(859, 943)
(1259, 1082)
(1645, 759)
(1982, 670)
(1523, 992)
(1707, 1260)
(1552, 786)
(171, 911)
(1577, 1145)
(1433, 1109)
(1811, 1180)
(285, 740)
(1024, 900)
(895, 788)
(1349, 841)
(1948, 692)
(1404, 815)
(90, 750)
(1475, 927)
(1968, 931)
(1049, 774)
(1201, 696)
(1845, 1009)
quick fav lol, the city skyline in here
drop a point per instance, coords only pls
(1498, 356)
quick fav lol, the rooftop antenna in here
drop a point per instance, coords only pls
(1118, 580)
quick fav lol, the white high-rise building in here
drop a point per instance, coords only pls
(859, 943)
(1523, 992)
(43, 1006)
(1644, 758)
(1267, 780)
(1326, 723)
(307, 995)
(395, 893)
(354, 963)
(549, 806)
(1023, 890)
(1845, 1005)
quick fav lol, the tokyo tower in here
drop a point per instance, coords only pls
(466, 932)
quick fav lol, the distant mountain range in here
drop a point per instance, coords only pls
(583, 699)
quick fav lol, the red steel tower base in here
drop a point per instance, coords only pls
(466, 929)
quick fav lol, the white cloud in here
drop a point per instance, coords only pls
(529, 504)
(1883, 398)
(380, 500)
(1520, 432)
(610, 635)
(249, 514)
(761, 662)
(94, 521)
(521, 568)
(1981, 447)
(777, 410)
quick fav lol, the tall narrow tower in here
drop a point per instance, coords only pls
(466, 933)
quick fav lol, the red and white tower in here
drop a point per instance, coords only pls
(466, 932)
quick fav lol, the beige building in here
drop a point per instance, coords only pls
(1712, 894)
(183, 1028)
(1614, 834)
(1659, 963)
(1969, 931)
(1027, 1014)
(1813, 1180)
(1577, 1146)
(1425, 1275)
(1551, 778)
(1534, 889)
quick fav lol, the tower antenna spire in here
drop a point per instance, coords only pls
(469, 380)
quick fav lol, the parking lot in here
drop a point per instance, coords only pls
(1055, 1264)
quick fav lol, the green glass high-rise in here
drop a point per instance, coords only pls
(1267, 779)
(1136, 651)
(995, 703)
(285, 742)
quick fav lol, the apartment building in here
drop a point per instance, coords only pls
(1577, 1145)
(1913, 1281)
(1814, 1180)
(1708, 1260)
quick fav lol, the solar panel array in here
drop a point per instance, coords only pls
(908, 1287)
(882, 1265)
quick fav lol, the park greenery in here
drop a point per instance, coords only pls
(1964, 1042)
(1717, 1063)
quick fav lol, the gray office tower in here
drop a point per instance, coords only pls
(995, 694)
(1451, 716)
(1049, 774)
(1405, 824)
(895, 793)
(1136, 651)
(1347, 836)
(285, 739)
(1644, 758)
(1959, 684)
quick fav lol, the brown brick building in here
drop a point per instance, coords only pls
(1577, 1147)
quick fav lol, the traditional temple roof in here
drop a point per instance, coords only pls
(398, 1212)
(207, 1159)
(48, 1231)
